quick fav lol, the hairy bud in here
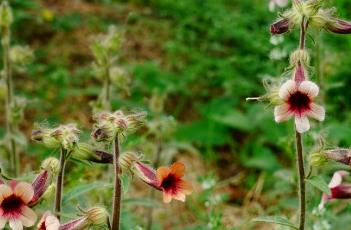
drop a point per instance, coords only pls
(85, 151)
(97, 216)
(128, 159)
(52, 165)
(300, 57)
(318, 159)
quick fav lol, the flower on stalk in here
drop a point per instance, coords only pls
(87, 152)
(298, 101)
(108, 125)
(338, 189)
(48, 222)
(14, 200)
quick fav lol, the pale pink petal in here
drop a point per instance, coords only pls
(337, 178)
(2, 222)
(186, 187)
(282, 113)
(15, 224)
(302, 124)
(25, 191)
(28, 217)
(167, 197)
(324, 200)
(309, 88)
(52, 223)
(180, 196)
(5, 191)
(288, 88)
(317, 112)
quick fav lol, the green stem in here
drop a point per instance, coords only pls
(59, 183)
(116, 213)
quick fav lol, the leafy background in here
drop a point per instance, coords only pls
(207, 56)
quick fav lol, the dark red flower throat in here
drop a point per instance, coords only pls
(299, 102)
(12, 205)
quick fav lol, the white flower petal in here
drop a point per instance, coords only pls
(310, 88)
(16, 224)
(5, 191)
(337, 178)
(2, 222)
(282, 113)
(28, 217)
(302, 124)
(288, 88)
(180, 196)
(317, 112)
(167, 197)
(25, 191)
(52, 223)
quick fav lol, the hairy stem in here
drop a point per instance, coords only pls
(116, 211)
(152, 193)
(59, 183)
(299, 151)
(10, 127)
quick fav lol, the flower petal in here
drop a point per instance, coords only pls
(179, 196)
(178, 169)
(28, 217)
(16, 224)
(52, 223)
(302, 124)
(2, 222)
(310, 88)
(288, 88)
(25, 191)
(337, 178)
(282, 113)
(162, 173)
(317, 112)
(167, 197)
(5, 191)
(185, 187)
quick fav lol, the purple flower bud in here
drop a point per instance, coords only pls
(39, 184)
(281, 26)
(340, 155)
(102, 157)
(339, 26)
(146, 174)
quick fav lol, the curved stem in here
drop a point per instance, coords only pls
(59, 183)
(117, 187)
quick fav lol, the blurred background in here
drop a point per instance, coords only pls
(192, 64)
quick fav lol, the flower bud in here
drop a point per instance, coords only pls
(49, 192)
(340, 155)
(52, 165)
(5, 15)
(300, 74)
(300, 56)
(21, 55)
(43, 136)
(311, 7)
(281, 26)
(318, 159)
(84, 151)
(97, 216)
(128, 159)
(39, 184)
(67, 135)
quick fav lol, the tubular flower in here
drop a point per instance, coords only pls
(39, 184)
(325, 19)
(338, 189)
(48, 222)
(14, 199)
(171, 182)
(298, 101)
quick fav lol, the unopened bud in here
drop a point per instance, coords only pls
(43, 136)
(97, 216)
(340, 155)
(21, 55)
(52, 165)
(5, 15)
(318, 159)
(84, 151)
(67, 135)
(49, 192)
(128, 159)
(299, 56)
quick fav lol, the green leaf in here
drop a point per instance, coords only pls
(82, 189)
(319, 183)
(276, 220)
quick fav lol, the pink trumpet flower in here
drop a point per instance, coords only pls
(338, 189)
(48, 222)
(14, 200)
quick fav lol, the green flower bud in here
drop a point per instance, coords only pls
(67, 135)
(21, 55)
(52, 165)
(97, 216)
(299, 56)
(43, 136)
(49, 192)
(318, 159)
(5, 15)
(127, 160)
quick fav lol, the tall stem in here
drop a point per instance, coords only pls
(10, 127)
(152, 193)
(59, 183)
(116, 213)
(299, 151)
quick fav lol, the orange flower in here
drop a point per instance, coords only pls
(171, 183)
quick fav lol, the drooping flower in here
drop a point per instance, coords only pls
(338, 189)
(171, 182)
(325, 19)
(48, 222)
(14, 199)
(298, 101)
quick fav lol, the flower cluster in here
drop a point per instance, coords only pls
(317, 17)
(108, 125)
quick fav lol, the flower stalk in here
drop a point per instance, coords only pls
(59, 183)
(116, 209)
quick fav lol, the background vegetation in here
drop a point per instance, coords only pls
(206, 56)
